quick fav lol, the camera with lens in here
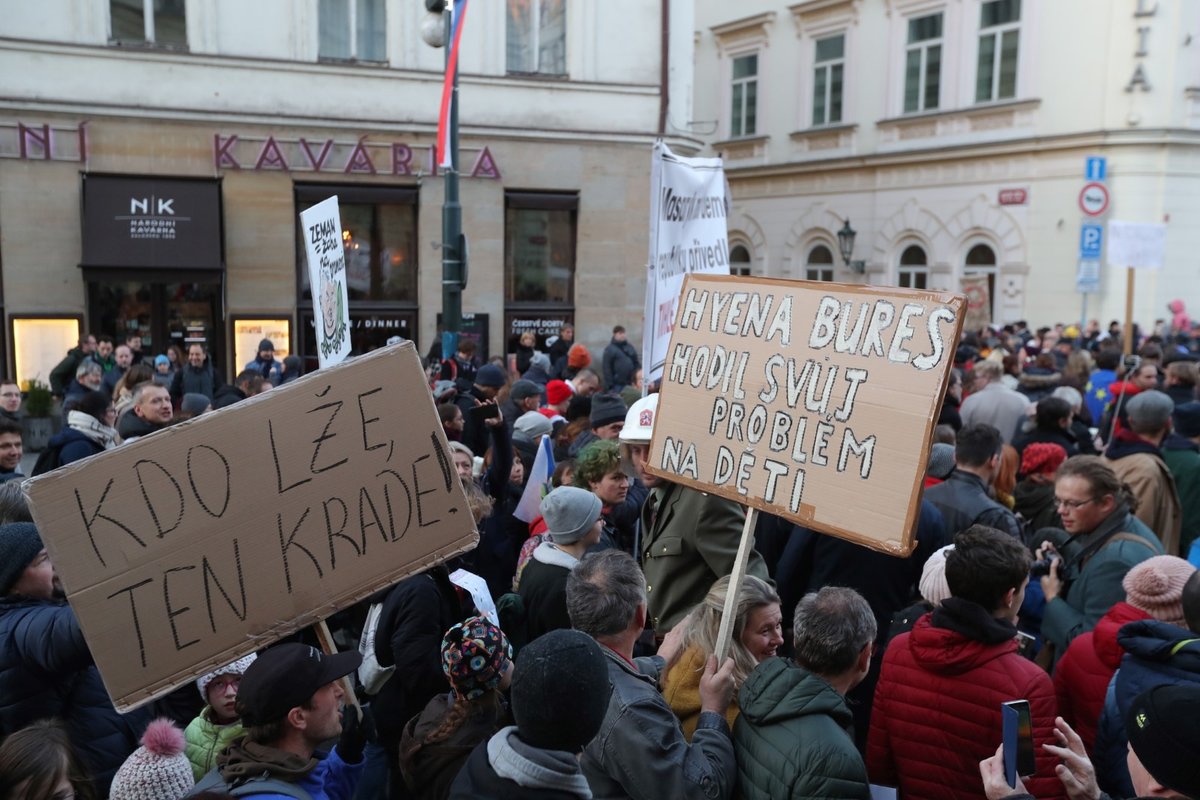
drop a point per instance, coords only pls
(1041, 567)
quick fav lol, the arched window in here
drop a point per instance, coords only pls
(739, 260)
(914, 268)
(820, 264)
(981, 260)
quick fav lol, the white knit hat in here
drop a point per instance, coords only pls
(238, 668)
(933, 585)
(158, 770)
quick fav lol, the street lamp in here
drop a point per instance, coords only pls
(846, 237)
(436, 31)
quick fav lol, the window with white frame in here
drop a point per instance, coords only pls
(914, 268)
(981, 260)
(743, 119)
(828, 70)
(819, 266)
(352, 30)
(923, 64)
(537, 37)
(999, 40)
(739, 260)
(158, 22)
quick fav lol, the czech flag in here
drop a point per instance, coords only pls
(529, 508)
(458, 15)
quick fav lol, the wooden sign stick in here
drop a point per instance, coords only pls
(326, 640)
(728, 616)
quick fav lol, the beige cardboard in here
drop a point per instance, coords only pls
(194, 546)
(865, 483)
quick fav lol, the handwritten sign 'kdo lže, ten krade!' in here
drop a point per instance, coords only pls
(196, 545)
(813, 401)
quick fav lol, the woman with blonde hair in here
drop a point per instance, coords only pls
(757, 634)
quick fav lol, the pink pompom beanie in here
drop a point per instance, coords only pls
(1156, 587)
(158, 770)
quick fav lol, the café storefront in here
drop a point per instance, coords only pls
(186, 233)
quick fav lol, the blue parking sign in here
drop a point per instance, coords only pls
(1096, 168)
(1091, 239)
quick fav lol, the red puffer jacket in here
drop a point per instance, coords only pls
(1082, 674)
(937, 708)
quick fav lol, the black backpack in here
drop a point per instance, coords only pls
(49, 459)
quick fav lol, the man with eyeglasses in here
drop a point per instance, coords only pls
(1105, 540)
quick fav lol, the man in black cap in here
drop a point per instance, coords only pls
(46, 669)
(488, 382)
(560, 692)
(523, 396)
(266, 364)
(290, 702)
(607, 418)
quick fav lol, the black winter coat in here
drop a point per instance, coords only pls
(416, 615)
(46, 670)
(75, 446)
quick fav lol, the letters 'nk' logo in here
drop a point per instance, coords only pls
(159, 206)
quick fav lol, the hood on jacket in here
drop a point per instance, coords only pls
(1155, 653)
(1177, 442)
(1126, 443)
(1104, 635)
(778, 690)
(952, 652)
(1039, 377)
(534, 768)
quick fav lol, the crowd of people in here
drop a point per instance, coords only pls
(1054, 563)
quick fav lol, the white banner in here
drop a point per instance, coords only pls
(1137, 245)
(689, 207)
(322, 229)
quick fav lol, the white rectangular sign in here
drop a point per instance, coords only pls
(321, 226)
(1137, 245)
(689, 206)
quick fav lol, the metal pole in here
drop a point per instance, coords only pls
(452, 266)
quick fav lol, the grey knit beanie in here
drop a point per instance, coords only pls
(570, 512)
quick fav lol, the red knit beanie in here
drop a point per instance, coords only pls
(578, 357)
(1156, 587)
(556, 392)
(1042, 458)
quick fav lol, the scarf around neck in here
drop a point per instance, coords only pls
(92, 428)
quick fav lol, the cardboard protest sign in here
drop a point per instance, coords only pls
(321, 227)
(689, 206)
(198, 544)
(813, 401)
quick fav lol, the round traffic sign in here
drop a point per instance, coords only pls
(1093, 200)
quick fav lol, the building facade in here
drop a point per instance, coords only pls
(155, 154)
(957, 138)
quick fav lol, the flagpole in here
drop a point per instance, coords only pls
(453, 258)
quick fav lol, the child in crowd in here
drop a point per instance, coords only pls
(158, 769)
(477, 662)
(218, 724)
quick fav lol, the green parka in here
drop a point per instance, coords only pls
(205, 739)
(794, 738)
